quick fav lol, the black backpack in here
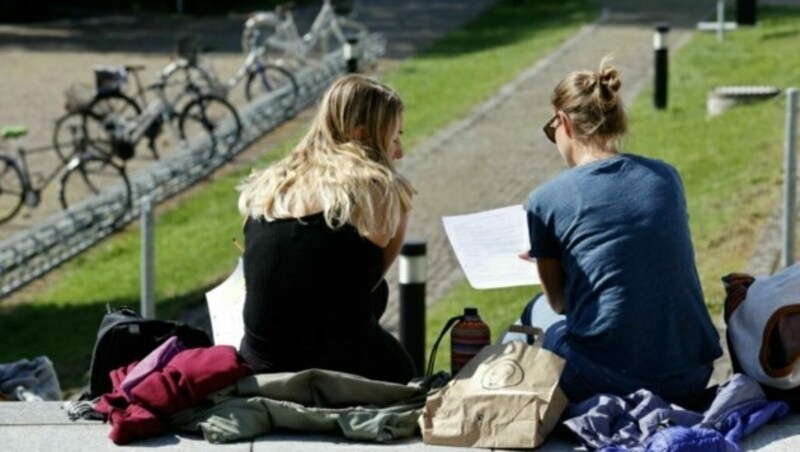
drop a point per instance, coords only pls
(125, 337)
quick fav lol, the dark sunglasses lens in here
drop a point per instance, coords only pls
(550, 130)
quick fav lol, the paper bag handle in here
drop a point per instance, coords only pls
(534, 331)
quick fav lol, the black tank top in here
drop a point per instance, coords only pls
(308, 292)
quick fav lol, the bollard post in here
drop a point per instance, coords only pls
(351, 55)
(789, 177)
(746, 12)
(661, 65)
(412, 300)
(148, 308)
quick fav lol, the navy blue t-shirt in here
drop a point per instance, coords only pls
(632, 295)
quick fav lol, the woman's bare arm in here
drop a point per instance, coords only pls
(551, 274)
(392, 248)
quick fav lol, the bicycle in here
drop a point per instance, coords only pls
(109, 84)
(259, 77)
(283, 43)
(83, 173)
(116, 131)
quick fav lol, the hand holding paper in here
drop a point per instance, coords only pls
(488, 246)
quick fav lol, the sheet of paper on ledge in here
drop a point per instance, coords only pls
(487, 245)
(225, 306)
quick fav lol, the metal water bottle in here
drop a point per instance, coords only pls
(467, 338)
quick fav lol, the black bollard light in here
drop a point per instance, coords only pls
(661, 65)
(413, 271)
(746, 12)
(351, 55)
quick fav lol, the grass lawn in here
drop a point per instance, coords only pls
(732, 165)
(59, 318)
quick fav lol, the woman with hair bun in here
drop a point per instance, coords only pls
(611, 240)
(322, 226)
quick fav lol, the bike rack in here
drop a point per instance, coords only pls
(32, 253)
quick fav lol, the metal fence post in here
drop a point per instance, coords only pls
(148, 308)
(412, 300)
(661, 65)
(789, 177)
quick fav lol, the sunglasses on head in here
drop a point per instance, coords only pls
(550, 127)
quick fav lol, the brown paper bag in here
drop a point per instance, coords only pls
(507, 396)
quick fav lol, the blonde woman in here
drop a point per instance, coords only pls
(322, 227)
(614, 253)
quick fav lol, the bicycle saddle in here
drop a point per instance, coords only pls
(13, 132)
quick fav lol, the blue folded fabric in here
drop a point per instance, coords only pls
(644, 421)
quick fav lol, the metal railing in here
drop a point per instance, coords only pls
(32, 253)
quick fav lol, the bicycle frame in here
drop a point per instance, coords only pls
(254, 62)
(161, 109)
(287, 36)
(28, 179)
(83, 171)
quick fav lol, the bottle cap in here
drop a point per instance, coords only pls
(472, 312)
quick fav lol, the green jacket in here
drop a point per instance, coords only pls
(314, 400)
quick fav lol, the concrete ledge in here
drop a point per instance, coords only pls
(43, 426)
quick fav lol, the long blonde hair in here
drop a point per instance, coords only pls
(342, 163)
(592, 101)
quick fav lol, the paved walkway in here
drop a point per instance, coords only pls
(490, 159)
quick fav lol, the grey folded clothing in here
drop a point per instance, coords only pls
(30, 380)
(315, 400)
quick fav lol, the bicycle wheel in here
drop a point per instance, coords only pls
(93, 175)
(269, 79)
(115, 103)
(213, 114)
(179, 77)
(12, 188)
(96, 136)
(105, 114)
(67, 132)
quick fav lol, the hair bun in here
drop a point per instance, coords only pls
(608, 77)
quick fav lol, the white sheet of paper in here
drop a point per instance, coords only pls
(225, 307)
(487, 245)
